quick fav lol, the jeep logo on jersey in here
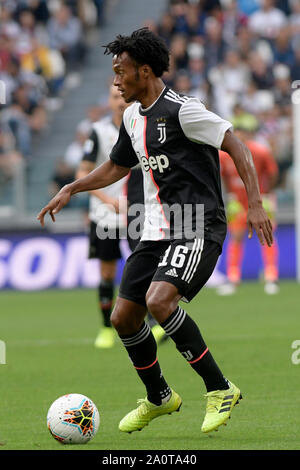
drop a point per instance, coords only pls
(160, 163)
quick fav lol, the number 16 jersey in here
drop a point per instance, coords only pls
(176, 141)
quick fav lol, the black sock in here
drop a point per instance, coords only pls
(189, 342)
(142, 348)
(151, 321)
(106, 295)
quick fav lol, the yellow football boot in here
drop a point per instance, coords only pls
(219, 407)
(137, 419)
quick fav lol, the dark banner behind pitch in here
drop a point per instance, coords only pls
(41, 261)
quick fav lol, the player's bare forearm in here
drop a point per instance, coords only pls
(257, 217)
(106, 174)
(84, 169)
(243, 161)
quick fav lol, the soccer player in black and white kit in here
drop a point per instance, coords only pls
(176, 140)
(104, 211)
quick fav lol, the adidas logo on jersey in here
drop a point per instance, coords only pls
(172, 272)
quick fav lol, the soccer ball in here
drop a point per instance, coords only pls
(73, 419)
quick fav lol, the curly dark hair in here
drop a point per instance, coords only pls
(144, 47)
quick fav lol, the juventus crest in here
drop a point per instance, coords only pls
(161, 127)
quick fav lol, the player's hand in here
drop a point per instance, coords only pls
(259, 221)
(55, 205)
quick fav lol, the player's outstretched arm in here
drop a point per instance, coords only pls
(257, 218)
(106, 174)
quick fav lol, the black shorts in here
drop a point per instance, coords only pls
(105, 250)
(188, 264)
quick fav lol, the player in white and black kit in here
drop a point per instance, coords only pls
(104, 213)
(175, 139)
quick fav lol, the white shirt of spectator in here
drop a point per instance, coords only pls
(267, 23)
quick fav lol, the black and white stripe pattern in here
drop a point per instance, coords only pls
(172, 96)
(175, 322)
(194, 259)
(138, 337)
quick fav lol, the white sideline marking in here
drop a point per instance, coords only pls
(2, 352)
(50, 342)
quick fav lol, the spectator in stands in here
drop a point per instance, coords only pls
(33, 69)
(65, 34)
(236, 73)
(12, 76)
(284, 5)
(18, 124)
(258, 33)
(268, 20)
(241, 118)
(261, 71)
(282, 87)
(100, 7)
(196, 65)
(194, 19)
(294, 22)
(245, 41)
(282, 48)
(37, 59)
(4, 52)
(24, 117)
(231, 44)
(40, 10)
(214, 44)
(178, 10)
(9, 156)
(295, 69)
(211, 6)
(178, 51)
(251, 100)
(48, 63)
(33, 109)
(28, 31)
(233, 20)
(166, 27)
(229, 80)
(182, 82)
(8, 26)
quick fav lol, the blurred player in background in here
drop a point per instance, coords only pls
(104, 211)
(237, 206)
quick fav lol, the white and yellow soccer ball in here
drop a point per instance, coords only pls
(73, 419)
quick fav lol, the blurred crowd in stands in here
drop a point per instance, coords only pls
(240, 57)
(43, 46)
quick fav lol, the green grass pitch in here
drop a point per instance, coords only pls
(49, 352)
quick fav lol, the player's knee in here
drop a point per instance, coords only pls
(118, 321)
(160, 305)
(124, 323)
